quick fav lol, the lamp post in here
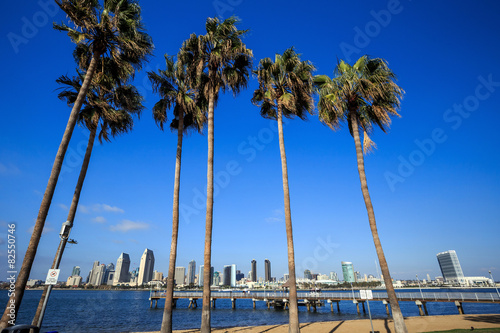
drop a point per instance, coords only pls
(494, 283)
(418, 281)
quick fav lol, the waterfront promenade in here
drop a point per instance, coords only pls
(414, 325)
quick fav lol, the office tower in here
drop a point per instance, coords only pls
(267, 270)
(428, 278)
(357, 276)
(146, 267)
(93, 273)
(333, 276)
(286, 276)
(348, 271)
(180, 274)
(122, 268)
(216, 278)
(109, 274)
(134, 275)
(76, 271)
(191, 272)
(98, 275)
(201, 278)
(253, 272)
(226, 276)
(450, 266)
(157, 276)
(233, 275)
(307, 274)
(239, 275)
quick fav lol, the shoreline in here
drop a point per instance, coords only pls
(414, 325)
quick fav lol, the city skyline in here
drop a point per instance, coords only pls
(433, 176)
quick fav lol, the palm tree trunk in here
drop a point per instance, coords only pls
(293, 324)
(71, 218)
(205, 315)
(25, 270)
(166, 324)
(399, 323)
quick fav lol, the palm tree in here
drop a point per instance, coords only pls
(114, 30)
(189, 107)
(285, 90)
(217, 61)
(110, 105)
(363, 95)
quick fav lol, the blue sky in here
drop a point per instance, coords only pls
(434, 178)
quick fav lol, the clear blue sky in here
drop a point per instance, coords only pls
(434, 178)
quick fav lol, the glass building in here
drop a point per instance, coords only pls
(348, 271)
(450, 266)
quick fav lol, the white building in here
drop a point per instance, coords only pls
(146, 267)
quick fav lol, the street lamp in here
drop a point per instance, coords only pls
(418, 281)
(494, 283)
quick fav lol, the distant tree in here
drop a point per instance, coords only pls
(218, 60)
(189, 107)
(363, 95)
(285, 90)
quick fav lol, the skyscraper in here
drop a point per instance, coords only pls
(76, 271)
(93, 273)
(180, 273)
(233, 275)
(450, 266)
(109, 274)
(201, 278)
(226, 276)
(348, 271)
(267, 270)
(146, 267)
(253, 272)
(122, 268)
(191, 272)
(307, 274)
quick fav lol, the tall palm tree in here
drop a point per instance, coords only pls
(189, 107)
(114, 29)
(218, 60)
(285, 90)
(363, 95)
(110, 104)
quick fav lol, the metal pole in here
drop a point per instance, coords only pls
(418, 281)
(370, 314)
(64, 238)
(494, 283)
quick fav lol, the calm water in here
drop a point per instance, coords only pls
(72, 311)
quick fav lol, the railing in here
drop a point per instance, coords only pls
(422, 296)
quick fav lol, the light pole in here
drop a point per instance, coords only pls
(418, 281)
(494, 283)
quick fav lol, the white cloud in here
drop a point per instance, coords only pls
(276, 216)
(9, 170)
(99, 208)
(63, 206)
(127, 225)
(99, 219)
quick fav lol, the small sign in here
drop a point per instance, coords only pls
(52, 276)
(365, 294)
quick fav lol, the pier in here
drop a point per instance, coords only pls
(312, 300)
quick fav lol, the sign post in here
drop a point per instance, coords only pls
(52, 276)
(367, 294)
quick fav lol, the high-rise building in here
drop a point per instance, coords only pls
(216, 278)
(267, 270)
(428, 278)
(450, 266)
(233, 275)
(98, 275)
(348, 271)
(122, 268)
(157, 276)
(286, 276)
(191, 272)
(93, 274)
(201, 277)
(180, 274)
(239, 275)
(76, 271)
(109, 274)
(253, 272)
(333, 276)
(146, 267)
(307, 274)
(226, 276)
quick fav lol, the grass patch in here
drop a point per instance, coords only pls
(482, 330)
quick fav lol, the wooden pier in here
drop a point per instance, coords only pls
(312, 300)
